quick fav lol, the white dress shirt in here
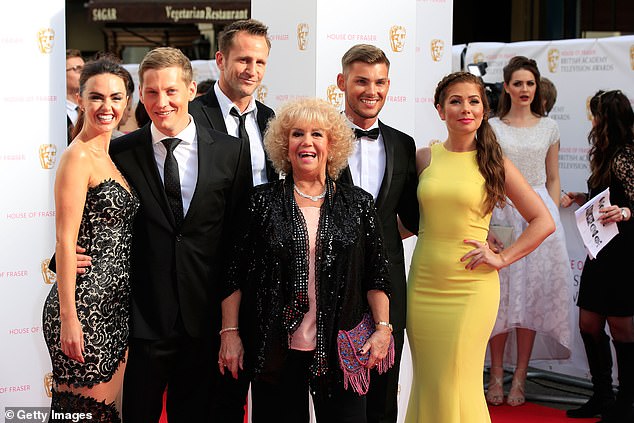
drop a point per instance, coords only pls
(258, 158)
(186, 154)
(367, 162)
(72, 111)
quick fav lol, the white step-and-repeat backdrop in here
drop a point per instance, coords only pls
(308, 41)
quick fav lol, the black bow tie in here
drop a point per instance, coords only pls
(372, 133)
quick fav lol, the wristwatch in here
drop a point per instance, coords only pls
(623, 213)
(386, 324)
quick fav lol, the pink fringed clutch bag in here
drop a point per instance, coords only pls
(355, 373)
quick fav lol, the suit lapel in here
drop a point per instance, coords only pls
(211, 108)
(263, 117)
(147, 165)
(389, 165)
(205, 142)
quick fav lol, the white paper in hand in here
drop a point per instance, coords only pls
(595, 236)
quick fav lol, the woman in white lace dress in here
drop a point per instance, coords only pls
(534, 291)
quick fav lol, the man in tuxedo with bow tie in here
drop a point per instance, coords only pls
(383, 164)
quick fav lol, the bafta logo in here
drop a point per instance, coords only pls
(553, 60)
(334, 95)
(397, 38)
(47, 155)
(49, 276)
(437, 49)
(632, 56)
(261, 93)
(478, 58)
(302, 36)
(45, 40)
(48, 384)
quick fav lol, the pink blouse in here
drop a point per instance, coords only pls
(305, 337)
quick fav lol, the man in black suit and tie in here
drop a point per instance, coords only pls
(190, 181)
(74, 66)
(229, 106)
(383, 163)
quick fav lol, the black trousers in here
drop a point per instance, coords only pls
(184, 365)
(383, 393)
(231, 397)
(286, 399)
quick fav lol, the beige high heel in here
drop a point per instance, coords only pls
(516, 393)
(495, 391)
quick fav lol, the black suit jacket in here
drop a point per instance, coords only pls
(397, 196)
(178, 270)
(206, 111)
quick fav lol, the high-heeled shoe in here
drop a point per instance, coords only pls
(516, 393)
(495, 390)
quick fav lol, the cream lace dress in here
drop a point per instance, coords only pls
(536, 291)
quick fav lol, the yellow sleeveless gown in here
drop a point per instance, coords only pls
(450, 310)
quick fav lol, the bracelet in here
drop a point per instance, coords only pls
(386, 324)
(228, 330)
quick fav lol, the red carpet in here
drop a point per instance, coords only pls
(164, 414)
(528, 413)
(532, 413)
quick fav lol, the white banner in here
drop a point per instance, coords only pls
(33, 104)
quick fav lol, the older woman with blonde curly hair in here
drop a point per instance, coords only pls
(309, 267)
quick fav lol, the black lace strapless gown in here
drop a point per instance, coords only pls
(102, 294)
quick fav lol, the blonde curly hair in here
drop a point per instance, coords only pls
(314, 111)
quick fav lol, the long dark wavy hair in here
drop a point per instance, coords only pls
(106, 63)
(488, 151)
(521, 63)
(611, 131)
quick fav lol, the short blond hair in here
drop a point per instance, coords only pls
(166, 57)
(316, 111)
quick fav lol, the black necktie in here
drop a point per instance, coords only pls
(242, 129)
(172, 181)
(372, 133)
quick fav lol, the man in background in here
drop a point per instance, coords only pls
(74, 66)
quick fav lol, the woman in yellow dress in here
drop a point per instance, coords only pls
(453, 289)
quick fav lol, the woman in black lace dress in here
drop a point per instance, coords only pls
(606, 289)
(86, 316)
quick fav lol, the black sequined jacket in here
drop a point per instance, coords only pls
(350, 261)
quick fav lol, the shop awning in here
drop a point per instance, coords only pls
(173, 12)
